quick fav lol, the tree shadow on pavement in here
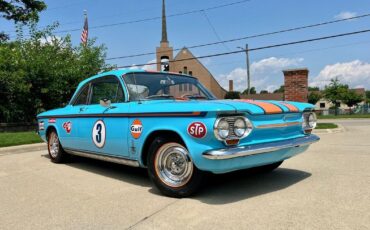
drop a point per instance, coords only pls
(216, 189)
(244, 184)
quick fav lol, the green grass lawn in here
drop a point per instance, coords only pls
(326, 126)
(18, 138)
(344, 116)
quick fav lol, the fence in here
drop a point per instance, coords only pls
(18, 127)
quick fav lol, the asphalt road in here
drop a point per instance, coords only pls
(327, 187)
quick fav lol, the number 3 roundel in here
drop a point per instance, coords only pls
(98, 134)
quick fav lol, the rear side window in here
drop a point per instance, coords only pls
(82, 97)
(106, 88)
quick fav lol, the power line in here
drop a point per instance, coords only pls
(158, 17)
(214, 30)
(250, 36)
(258, 48)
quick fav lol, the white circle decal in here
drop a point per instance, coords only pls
(98, 134)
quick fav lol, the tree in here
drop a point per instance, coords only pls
(42, 72)
(351, 98)
(368, 96)
(335, 92)
(20, 11)
(314, 97)
(310, 89)
(251, 91)
(232, 95)
(280, 90)
(264, 92)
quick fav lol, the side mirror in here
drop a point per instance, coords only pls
(105, 103)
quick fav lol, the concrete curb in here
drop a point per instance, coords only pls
(336, 130)
(23, 148)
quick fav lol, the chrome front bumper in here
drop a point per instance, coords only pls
(221, 154)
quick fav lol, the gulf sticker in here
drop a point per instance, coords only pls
(197, 130)
(136, 128)
(67, 126)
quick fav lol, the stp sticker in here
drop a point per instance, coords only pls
(136, 128)
(98, 134)
(67, 126)
(197, 130)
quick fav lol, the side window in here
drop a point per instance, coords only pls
(82, 97)
(106, 88)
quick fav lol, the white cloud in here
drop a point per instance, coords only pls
(50, 39)
(355, 73)
(152, 67)
(265, 74)
(345, 15)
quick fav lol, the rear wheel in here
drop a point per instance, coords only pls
(56, 152)
(171, 168)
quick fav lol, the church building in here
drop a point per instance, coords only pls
(184, 62)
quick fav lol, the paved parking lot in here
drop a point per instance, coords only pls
(327, 187)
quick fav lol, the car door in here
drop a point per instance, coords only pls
(70, 124)
(105, 128)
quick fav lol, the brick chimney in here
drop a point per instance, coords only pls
(296, 85)
(231, 85)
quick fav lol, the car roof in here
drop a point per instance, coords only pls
(120, 72)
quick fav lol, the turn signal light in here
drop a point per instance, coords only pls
(232, 142)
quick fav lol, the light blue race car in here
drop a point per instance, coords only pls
(173, 126)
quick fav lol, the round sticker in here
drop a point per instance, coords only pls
(197, 130)
(136, 128)
(98, 134)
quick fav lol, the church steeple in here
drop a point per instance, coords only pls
(164, 51)
(164, 23)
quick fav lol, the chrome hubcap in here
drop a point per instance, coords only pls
(53, 145)
(173, 165)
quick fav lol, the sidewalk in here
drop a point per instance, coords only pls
(23, 148)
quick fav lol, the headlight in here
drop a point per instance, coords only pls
(242, 127)
(222, 129)
(309, 121)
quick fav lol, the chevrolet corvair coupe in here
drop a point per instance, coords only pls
(173, 126)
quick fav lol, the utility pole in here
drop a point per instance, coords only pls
(248, 71)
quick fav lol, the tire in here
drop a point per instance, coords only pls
(56, 152)
(171, 169)
(268, 168)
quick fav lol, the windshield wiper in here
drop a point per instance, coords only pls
(197, 97)
(159, 96)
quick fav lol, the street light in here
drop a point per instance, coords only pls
(248, 72)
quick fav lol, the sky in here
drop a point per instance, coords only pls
(345, 58)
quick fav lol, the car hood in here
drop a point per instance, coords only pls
(254, 107)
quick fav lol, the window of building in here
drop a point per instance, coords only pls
(185, 70)
(185, 87)
(191, 73)
(180, 87)
(180, 72)
(190, 87)
(322, 105)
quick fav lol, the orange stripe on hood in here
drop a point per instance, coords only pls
(269, 108)
(291, 107)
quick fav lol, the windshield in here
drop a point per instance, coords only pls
(157, 86)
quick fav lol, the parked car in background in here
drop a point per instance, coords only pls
(173, 126)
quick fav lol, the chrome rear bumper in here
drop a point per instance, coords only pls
(221, 154)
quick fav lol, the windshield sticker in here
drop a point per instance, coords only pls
(67, 126)
(197, 130)
(136, 128)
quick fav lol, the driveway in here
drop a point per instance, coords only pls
(327, 187)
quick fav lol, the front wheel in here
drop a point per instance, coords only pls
(171, 168)
(56, 152)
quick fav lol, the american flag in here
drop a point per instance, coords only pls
(85, 32)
